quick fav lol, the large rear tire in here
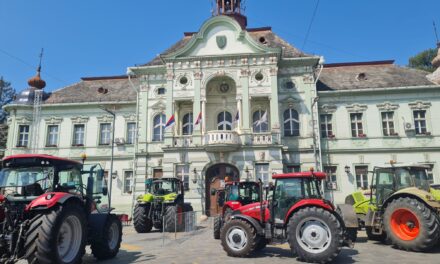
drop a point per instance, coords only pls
(57, 236)
(411, 225)
(315, 235)
(107, 246)
(141, 222)
(238, 238)
(217, 226)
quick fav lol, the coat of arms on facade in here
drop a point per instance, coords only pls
(221, 41)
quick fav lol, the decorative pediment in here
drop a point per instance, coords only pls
(79, 119)
(53, 120)
(159, 106)
(291, 102)
(105, 118)
(328, 108)
(356, 108)
(387, 106)
(130, 117)
(419, 105)
(23, 120)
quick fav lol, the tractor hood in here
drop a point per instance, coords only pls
(431, 198)
(253, 210)
(148, 198)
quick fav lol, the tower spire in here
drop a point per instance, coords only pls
(232, 8)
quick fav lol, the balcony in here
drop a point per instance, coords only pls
(263, 139)
(183, 141)
(221, 141)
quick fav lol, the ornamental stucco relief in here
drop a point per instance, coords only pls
(79, 119)
(419, 105)
(387, 106)
(356, 108)
(53, 120)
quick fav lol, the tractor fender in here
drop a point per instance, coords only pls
(231, 204)
(48, 200)
(308, 203)
(415, 193)
(251, 221)
(347, 215)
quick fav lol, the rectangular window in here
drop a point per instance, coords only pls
(430, 173)
(361, 177)
(420, 122)
(182, 172)
(78, 135)
(23, 136)
(326, 126)
(262, 172)
(331, 177)
(388, 124)
(52, 136)
(131, 133)
(357, 129)
(292, 168)
(104, 134)
(128, 179)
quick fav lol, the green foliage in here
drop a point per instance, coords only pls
(7, 95)
(422, 61)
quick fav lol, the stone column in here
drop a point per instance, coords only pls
(244, 79)
(169, 106)
(274, 110)
(196, 107)
(240, 112)
(203, 117)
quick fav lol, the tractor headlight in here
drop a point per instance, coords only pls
(49, 196)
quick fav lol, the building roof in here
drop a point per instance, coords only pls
(263, 35)
(369, 75)
(95, 89)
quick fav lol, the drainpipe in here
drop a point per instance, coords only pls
(315, 101)
(136, 140)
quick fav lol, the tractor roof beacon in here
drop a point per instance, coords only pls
(162, 207)
(51, 208)
(403, 207)
(234, 195)
(314, 228)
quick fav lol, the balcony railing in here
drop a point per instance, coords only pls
(183, 141)
(262, 139)
(220, 140)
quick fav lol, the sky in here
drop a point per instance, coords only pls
(84, 38)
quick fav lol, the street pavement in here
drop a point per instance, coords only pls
(199, 247)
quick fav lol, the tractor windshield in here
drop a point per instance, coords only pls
(28, 181)
(245, 192)
(164, 187)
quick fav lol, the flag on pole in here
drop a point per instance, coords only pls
(171, 122)
(198, 120)
(262, 120)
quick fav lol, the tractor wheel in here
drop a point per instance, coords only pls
(58, 236)
(174, 218)
(261, 243)
(228, 213)
(107, 246)
(411, 225)
(238, 238)
(315, 235)
(141, 222)
(382, 237)
(217, 226)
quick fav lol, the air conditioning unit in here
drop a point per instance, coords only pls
(408, 126)
(119, 141)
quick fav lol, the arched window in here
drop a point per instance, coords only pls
(291, 123)
(224, 121)
(158, 127)
(259, 121)
(187, 127)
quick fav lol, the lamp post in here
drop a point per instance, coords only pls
(112, 154)
(195, 176)
(246, 170)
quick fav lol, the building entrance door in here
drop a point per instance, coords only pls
(215, 179)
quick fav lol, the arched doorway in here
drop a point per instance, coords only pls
(215, 176)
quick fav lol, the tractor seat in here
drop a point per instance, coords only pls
(33, 190)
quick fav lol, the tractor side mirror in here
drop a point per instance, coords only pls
(90, 183)
(221, 198)
(104, 190)
(100, 174)
(213, 191)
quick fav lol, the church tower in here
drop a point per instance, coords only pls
(232, 8)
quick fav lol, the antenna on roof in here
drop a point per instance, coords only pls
(41, 58)
(435, 32)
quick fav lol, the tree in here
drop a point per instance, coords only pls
(422, 61)
(7, 95)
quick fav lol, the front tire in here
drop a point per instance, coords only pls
(57, 236)
(217, 226)
(238, 238)
(107, 246)
(315, 235)
(174, 218)
(141, 222)
(411, 225)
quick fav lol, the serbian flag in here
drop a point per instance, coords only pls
(171, 122)
(198, 120)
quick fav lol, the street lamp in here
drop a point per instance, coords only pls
(195, 176)
(246, 170)
(112, 153)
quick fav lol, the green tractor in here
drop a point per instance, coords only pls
(162, 207)
(403, 208)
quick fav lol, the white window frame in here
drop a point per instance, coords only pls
(189, 125)
(262, 172)
(332, 176)
(160, 125)
(291, 120)
(418, 119)
(364, 178)
(224, 123)
(23, 137)
(101, 132)
(387, 131)
(128, 176)
(131, 133)
(52, 136)
(326, 122)
(259, 128)
(182, 172)
(356, 121)
(74, 135)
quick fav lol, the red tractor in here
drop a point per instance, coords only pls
(314, 228)
(234, 195)
(51, 207)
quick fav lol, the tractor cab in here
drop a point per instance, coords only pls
(164, 186)
(244, 192)
(388, 180)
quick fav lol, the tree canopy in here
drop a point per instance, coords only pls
(422, 61)
(7, 95)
